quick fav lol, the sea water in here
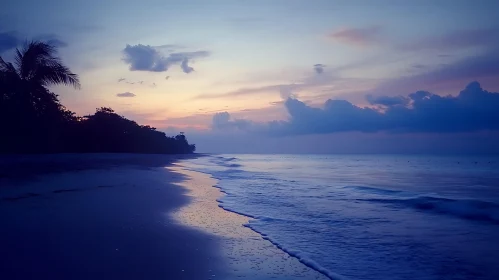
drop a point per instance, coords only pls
(369, 216)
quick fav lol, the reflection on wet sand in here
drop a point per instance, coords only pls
(247, 253)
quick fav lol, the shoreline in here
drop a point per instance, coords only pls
(246, 251)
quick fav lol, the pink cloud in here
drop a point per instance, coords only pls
(357, 36)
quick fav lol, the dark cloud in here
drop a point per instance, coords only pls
(144, 58)
(185, 66)
(126, 94)
(388, 100)
(474, 109)
(223, 121)
(8, 41)
(148, 58)
(319, 68)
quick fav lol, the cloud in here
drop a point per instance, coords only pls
(126, 94)
(458, 39)
(240, 92)
(8, 41)
(144, 58)
(474, 109)
(319, 68)
(388, 100)
(357, 36)
(169, 47)
(287, 91)
(185, 67)
(142, 83)
(325, 83)
(455, 40)
(476, 67)
(483, 66)
(148, 58)
(223, 121)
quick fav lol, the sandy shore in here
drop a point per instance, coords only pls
(102, 221)
(126, 217)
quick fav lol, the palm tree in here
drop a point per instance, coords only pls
(37, 65)
(27, 106)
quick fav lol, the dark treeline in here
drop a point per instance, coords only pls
(32, 120)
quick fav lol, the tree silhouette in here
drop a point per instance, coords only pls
(32, 120)
(37, 65)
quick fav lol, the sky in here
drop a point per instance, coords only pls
(281, 76)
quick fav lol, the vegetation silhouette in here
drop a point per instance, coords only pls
(32, 119)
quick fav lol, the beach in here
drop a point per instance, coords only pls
(111, 222)
(125, 217)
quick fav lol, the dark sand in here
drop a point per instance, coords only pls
(91, 217)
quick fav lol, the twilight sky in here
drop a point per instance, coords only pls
(281, 75)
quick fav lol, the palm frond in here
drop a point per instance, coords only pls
(7, 67)
(30, 56)
(56, 74)
(37, 63)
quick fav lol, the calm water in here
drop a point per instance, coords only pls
(370, 217)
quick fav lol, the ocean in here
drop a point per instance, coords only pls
(369, 216)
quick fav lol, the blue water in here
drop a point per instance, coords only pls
(367, 216)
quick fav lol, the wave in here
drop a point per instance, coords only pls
(219, 159)
(299, 256)
(293, 253)
(226, 162)
(373, 190)
(462, 208)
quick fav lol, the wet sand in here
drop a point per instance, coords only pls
(247, 254)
